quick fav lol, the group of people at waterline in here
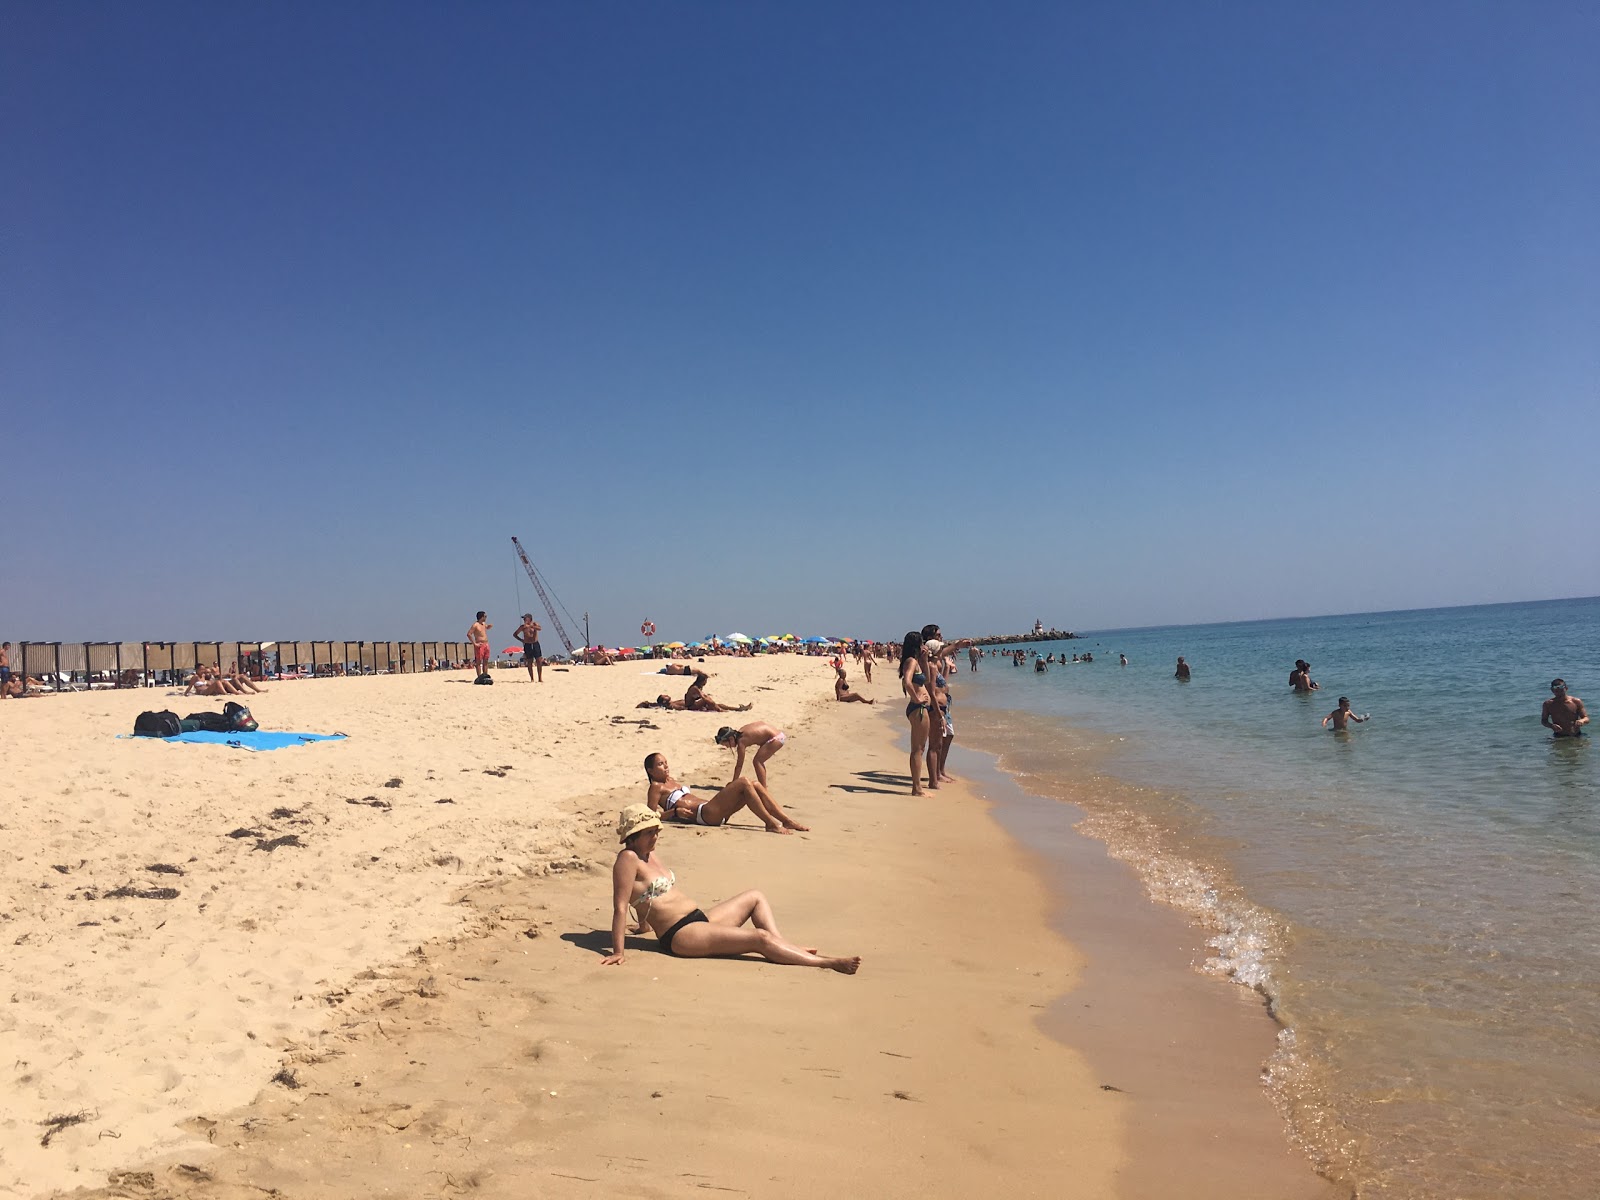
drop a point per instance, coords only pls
(645, 893)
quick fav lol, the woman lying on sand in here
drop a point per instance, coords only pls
(640, 880)
(675, 802)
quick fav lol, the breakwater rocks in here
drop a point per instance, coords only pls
(1011, 639)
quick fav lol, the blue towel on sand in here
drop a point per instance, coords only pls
(261, 739)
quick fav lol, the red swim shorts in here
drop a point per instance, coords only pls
(480, 652)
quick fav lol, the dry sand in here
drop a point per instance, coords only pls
(424, 978)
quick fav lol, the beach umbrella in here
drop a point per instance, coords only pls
(814, 641)
(512, 650)
(674, 645)
(740, 638)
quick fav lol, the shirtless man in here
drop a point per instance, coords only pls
(532, 657)
(5, 663)
(1563, 715)
(842, 692)
(680, 669)
(1182, 673)
(478, 635)
(697, 699)
(1300, 678)
(675, 802)
(763, 737)
(1342, 716)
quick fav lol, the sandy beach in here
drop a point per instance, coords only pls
(408, 997)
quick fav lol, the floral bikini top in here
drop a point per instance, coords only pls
(654, 890)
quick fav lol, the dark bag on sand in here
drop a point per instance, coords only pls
(157, 724)
(238, 718)
(205, 722)
(484, 678)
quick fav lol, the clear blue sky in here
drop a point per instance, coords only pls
(823, 317)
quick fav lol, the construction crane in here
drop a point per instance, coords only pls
(538, 586)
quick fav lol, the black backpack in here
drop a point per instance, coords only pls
(238, 718)
(484, 678)
(157, 724)
(206, 722)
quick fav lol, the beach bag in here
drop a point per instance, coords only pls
(238, 718)
(484, 678)
(205, 722)
(156, 724)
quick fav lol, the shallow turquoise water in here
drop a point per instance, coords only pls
(1418, 898)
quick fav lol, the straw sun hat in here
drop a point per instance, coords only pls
(636, 818)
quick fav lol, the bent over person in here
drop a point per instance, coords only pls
(642, 882)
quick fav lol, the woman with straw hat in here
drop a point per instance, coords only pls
(640, 880)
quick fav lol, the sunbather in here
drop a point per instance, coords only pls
(675, 802)
(842, 692)
(698, 699)
(641, 881)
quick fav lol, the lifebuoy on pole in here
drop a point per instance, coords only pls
(648, 628)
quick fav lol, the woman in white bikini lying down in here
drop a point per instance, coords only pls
(763, 737)
(675, 802)
(641, 881)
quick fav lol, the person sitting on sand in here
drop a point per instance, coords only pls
(763, 737)
(676, 802)
(18, 687)
(642, 882)
(1342, 716)
(842, 692)
(697, 699)
(202, 683)
(243, 682)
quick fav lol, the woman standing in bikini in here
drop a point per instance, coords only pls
(914, 682)
(641, 881)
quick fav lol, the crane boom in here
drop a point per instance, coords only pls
(539, 587)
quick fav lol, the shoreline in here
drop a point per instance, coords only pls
(1186, 1047)
(500, 1051)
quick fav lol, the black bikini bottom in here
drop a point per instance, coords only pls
(692, 918)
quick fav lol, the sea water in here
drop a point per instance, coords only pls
(1418, 899)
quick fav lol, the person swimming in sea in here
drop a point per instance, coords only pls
(1563, 715)
(1342, 716)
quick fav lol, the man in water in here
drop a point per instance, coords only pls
(1563, 715)
(1182, 673)
(973, 653)
(478, 635)
(1342, 716)
(1123, 658)
(1300, 678)
(532, 656)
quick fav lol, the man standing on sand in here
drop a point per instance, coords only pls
(1563, 715)
(1342, 716)
(532, 657)
(5, 663)
(478, 635)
